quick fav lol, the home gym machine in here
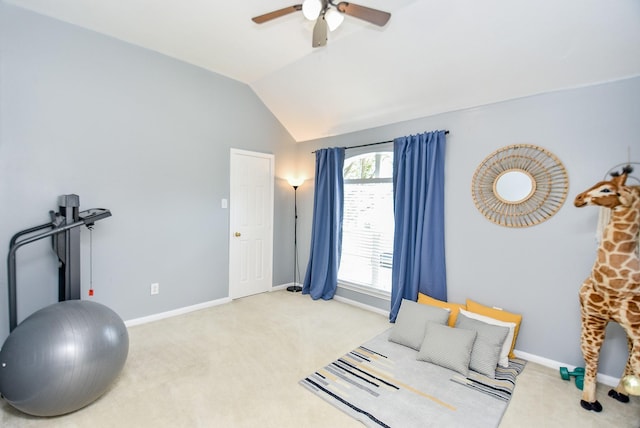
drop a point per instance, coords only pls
(35, 376)
(65, 233)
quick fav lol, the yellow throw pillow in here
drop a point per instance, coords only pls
(453, 307)
(498, 314)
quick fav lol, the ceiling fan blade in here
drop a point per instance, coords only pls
(373, 16)
(276, 14)
(319, 32)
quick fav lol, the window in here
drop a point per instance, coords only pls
(367, 230)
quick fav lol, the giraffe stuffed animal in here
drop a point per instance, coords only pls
(612, 291)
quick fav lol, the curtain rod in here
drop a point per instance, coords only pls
(373, 144)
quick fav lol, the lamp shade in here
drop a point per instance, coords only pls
(295, 182)
(311, 9)
(333, 18)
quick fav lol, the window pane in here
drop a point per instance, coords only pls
(386, 166)
(367, 240)
(369, 165)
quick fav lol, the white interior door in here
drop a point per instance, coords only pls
(251, 223)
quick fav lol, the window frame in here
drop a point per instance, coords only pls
(347, 285)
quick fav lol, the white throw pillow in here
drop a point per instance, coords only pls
(503, 361)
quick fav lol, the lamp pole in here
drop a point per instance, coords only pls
(295, 288)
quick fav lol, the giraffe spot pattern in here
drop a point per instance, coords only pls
(626, 248)
(622, 236)
(616, 261)
(633, 315)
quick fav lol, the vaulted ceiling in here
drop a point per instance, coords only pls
(433, 56)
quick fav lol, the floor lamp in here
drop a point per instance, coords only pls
(295, 183)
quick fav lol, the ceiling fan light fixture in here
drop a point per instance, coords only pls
(328, 16)
(333, 18)
(311, 9)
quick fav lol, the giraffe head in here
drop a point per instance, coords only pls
(609, 194)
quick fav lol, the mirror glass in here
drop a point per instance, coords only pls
(514, 186)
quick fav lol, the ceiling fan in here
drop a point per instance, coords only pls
(328, 15)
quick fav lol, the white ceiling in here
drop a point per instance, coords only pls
(433, 56)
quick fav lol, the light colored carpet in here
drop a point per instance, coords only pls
(238, 365)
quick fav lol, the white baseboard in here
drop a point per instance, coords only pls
(361, 305)
(602, 378)
(283, 286)
(187, 309)
(176, 312)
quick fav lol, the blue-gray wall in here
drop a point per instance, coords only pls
(535, 271)
(136, 132)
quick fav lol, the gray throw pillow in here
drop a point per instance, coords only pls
(447, 347)
(486, 348)
(411, 320)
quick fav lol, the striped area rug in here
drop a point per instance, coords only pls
(382, 384)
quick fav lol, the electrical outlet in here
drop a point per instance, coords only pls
(155, 288)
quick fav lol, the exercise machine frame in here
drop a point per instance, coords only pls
(66, 244)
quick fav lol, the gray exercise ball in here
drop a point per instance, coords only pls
(62, 357)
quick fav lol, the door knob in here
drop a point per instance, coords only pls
(237, 234)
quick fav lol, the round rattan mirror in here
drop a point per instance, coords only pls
(520, 185)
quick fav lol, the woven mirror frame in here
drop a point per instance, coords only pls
(544, 176)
